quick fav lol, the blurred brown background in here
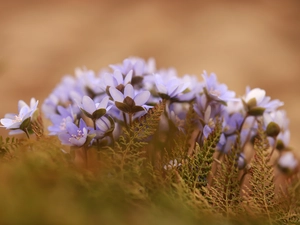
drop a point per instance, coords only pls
(254, 43)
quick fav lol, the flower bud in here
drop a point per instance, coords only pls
(273, 129)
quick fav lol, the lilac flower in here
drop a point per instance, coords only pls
(129, 102)
(60, 120)
(60, 96)
(256, 102)
(172, 87)
(208, 112)
(232, 122)
(18, 122)
(117, 80)
(88, 82)
(94, 110)
(216, 91)
(137, 65)
(73, 135)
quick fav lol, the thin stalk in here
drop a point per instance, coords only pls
(112, 140)
(27, 133)
(243, 177)
(125, 120)
(130, 119)
(273, 147)
(241, 127)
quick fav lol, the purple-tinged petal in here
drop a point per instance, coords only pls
(116, 94)
(128, 77)
(161, 88)
(129, 91)
(103, 124)
(139, 67)
(88, 104)
(21, 104)
(207, 114)
(142, 97)
(64, 138)
(71, 128)
(103, 103)
(118, 76)
(6, 122)
(82, 124)
(206, 131)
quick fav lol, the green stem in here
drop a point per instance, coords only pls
(27, 133)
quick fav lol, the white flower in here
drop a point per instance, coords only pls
(14, 121)
(288, 161)
(257, 102)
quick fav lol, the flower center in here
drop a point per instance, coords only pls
(62, 125)
(17, 119)
(215, 92)
(79, 135)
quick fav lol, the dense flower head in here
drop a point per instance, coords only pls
(92, 108)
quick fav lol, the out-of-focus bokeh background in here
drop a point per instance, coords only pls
(254, 43)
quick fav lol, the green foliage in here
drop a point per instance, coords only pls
(204, 157)
(7, 146)
(128, 151)
(260, 196)
(224, 194)
(127, 184)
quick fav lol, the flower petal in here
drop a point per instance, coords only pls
(206, 131)
(128, 91)
(118, 76)
(116, 94)
(128, 77)
(7, 122)
(88, 104)
(103, 103)
(141, 98)
(256, 93)
(71, 128)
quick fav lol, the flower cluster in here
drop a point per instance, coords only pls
(89, 108)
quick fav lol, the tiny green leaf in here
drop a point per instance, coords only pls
(98, 114)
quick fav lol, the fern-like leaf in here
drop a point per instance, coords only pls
(224, 195)
(7, 146)
(260, 196)
(128, 153)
